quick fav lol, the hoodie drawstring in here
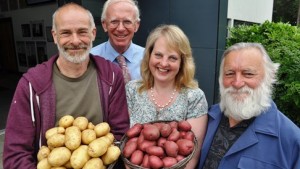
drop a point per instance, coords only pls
(32, 110)
(110, 88)
(31, 105)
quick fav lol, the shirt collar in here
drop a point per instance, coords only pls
(128, 54)
(242, 124)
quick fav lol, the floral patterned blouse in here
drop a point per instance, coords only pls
(190, 103)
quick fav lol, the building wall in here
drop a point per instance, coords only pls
(203, 21)
(256, 11)
(31, 15)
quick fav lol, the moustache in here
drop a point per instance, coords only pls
(72, 47)
(244, 90)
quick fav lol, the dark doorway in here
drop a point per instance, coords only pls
(9, 74)
(8, 59)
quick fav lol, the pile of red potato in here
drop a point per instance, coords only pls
(159, 144)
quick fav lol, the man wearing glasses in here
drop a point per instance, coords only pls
(121, 19)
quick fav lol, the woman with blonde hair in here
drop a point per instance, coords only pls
(168, 90)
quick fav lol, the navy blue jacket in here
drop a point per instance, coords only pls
(272, 141)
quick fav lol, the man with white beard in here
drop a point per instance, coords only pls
(246, 130)
(73, 82)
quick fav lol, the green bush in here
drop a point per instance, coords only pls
(282, 42)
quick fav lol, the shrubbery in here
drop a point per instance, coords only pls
(282, 42)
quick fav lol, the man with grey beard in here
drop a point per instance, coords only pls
(246, 130)
(73, 82)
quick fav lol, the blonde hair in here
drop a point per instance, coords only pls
(178, 41)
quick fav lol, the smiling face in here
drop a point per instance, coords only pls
(243, 68)
(73, 33)
(120, 24)
(164, 62)
(243, 89)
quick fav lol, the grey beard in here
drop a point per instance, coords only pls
(257, 101)
(78, 57)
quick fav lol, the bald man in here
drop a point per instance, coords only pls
(73, 82)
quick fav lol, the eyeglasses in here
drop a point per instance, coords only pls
(126, 23)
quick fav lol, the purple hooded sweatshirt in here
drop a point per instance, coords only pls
(32, 110)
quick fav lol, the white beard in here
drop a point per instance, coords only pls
(245, 103)
(78, 57)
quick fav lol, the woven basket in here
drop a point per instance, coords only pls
(111, 166)
(180, 165)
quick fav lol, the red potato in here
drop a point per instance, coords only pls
(146, 143)
(171, 148)
(158, 125)
(134, 131)
(146, 124)
(184, 126)
(134, 139)
(151, 132)
(185, 147)
(179, 157)
(173, 124)
(174, 136)
(165, 130)
(156, 151)
(161, 141)
(138, 125)
(137, 157)
(140, 139)
(169, 161)
(145, 162)
(129, 148)
(189, 136)
(155, 162)
(182, 134)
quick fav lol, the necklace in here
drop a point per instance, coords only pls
(163, 105)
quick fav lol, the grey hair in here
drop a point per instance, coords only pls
(91, 18)
(270, 67)
(134, 3)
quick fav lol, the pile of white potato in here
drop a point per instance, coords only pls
(78, 143)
